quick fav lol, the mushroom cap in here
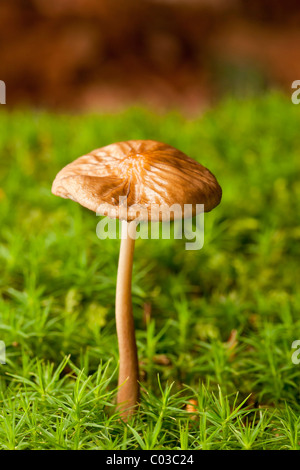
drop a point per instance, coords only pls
(138, 178)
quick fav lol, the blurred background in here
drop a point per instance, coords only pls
(80, 55)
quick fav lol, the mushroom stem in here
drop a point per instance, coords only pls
(128, 393)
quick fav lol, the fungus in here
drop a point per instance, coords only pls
(143, 174)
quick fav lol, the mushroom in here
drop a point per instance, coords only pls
(143, 174)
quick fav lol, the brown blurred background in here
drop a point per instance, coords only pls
(165, 54)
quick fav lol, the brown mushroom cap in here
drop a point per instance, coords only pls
(145, 173)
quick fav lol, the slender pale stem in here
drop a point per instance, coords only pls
(128, 393)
